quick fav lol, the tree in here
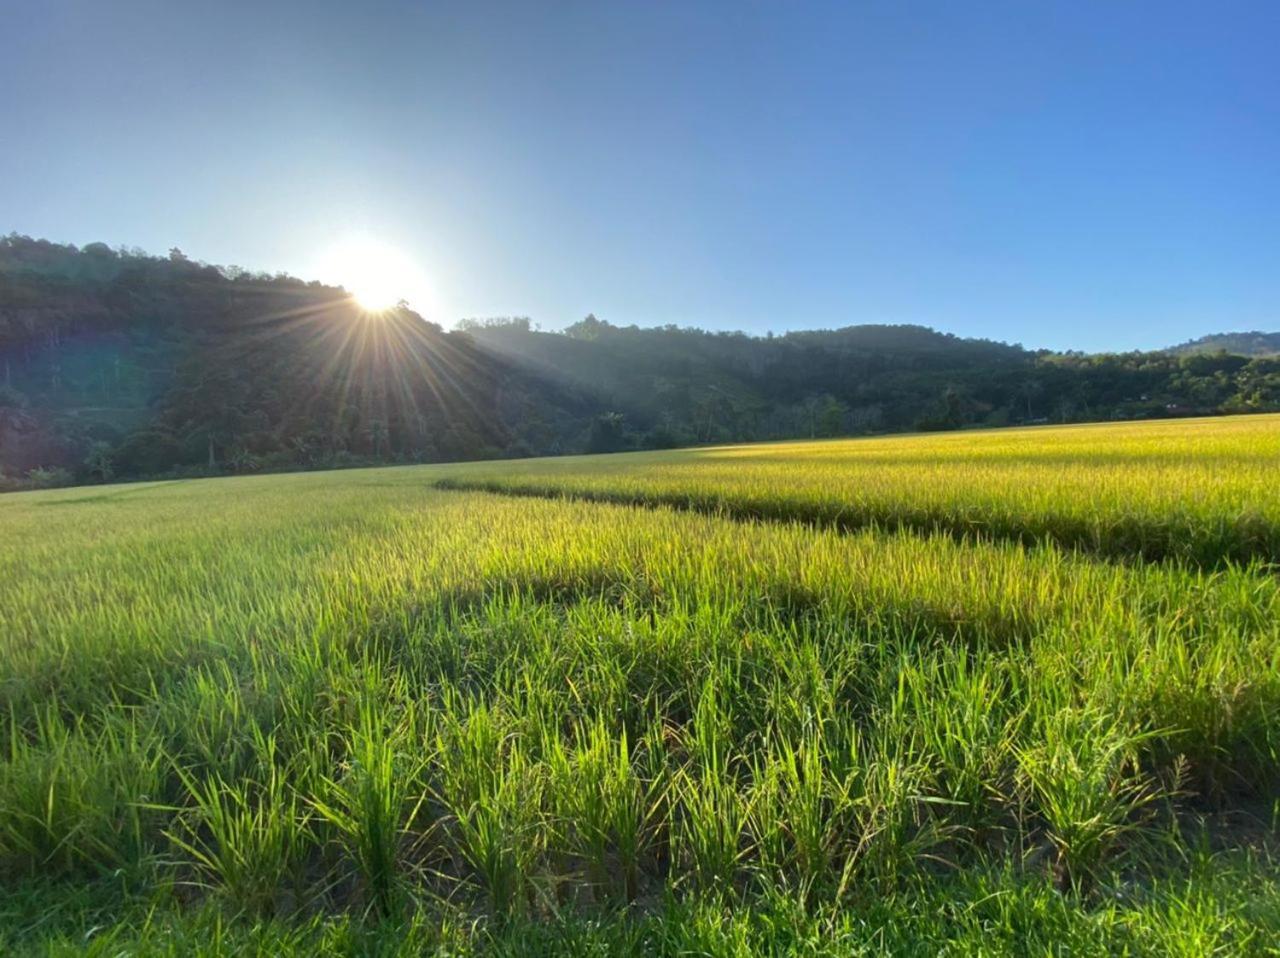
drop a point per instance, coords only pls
(13, 409)
(953, 413)
(1031, 389)
(810, 408)
(607, 433)
(242, 460)
(832, 416)
(100, 462)
(589, 328)
(378, 436)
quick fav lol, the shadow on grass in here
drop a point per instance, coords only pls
(1248, 540)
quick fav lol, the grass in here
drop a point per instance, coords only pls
(879, 696)
(1115, 490)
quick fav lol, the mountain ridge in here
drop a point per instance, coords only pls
(118, 364)
(1250, 343)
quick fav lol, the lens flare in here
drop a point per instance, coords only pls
(377, 275)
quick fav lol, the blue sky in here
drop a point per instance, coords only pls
(1070, 175)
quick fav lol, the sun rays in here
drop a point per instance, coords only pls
(377, 274)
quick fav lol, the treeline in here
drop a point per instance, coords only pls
(1253, 343)
(116, 364)
(674, 386)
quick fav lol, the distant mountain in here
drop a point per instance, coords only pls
(1237, 344)
(116, 364)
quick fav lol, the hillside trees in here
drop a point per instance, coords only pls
(180, 367)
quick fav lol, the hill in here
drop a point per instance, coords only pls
(118, 364)
(1237, 344)
(814, 698)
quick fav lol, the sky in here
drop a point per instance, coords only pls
(1086, 175)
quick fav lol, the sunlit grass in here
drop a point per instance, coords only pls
(325, 711)
(1202, 490)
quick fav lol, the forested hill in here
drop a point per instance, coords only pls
(682, 386)
(1252, 343)
(115, 364)
(119, 364)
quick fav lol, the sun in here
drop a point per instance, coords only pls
(378, 275)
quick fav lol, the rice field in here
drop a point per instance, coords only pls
(1200, 490)
(1011, 692)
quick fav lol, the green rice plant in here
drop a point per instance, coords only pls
(711, 834)
(1219, 689)
(888, 829)
(798, 814)
(1087, 788)
(493, 794)
(607, 811)
(711, 807)
(247, 837)
(967, 713)
(204, 718)
(370, 804)
(74, 800)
